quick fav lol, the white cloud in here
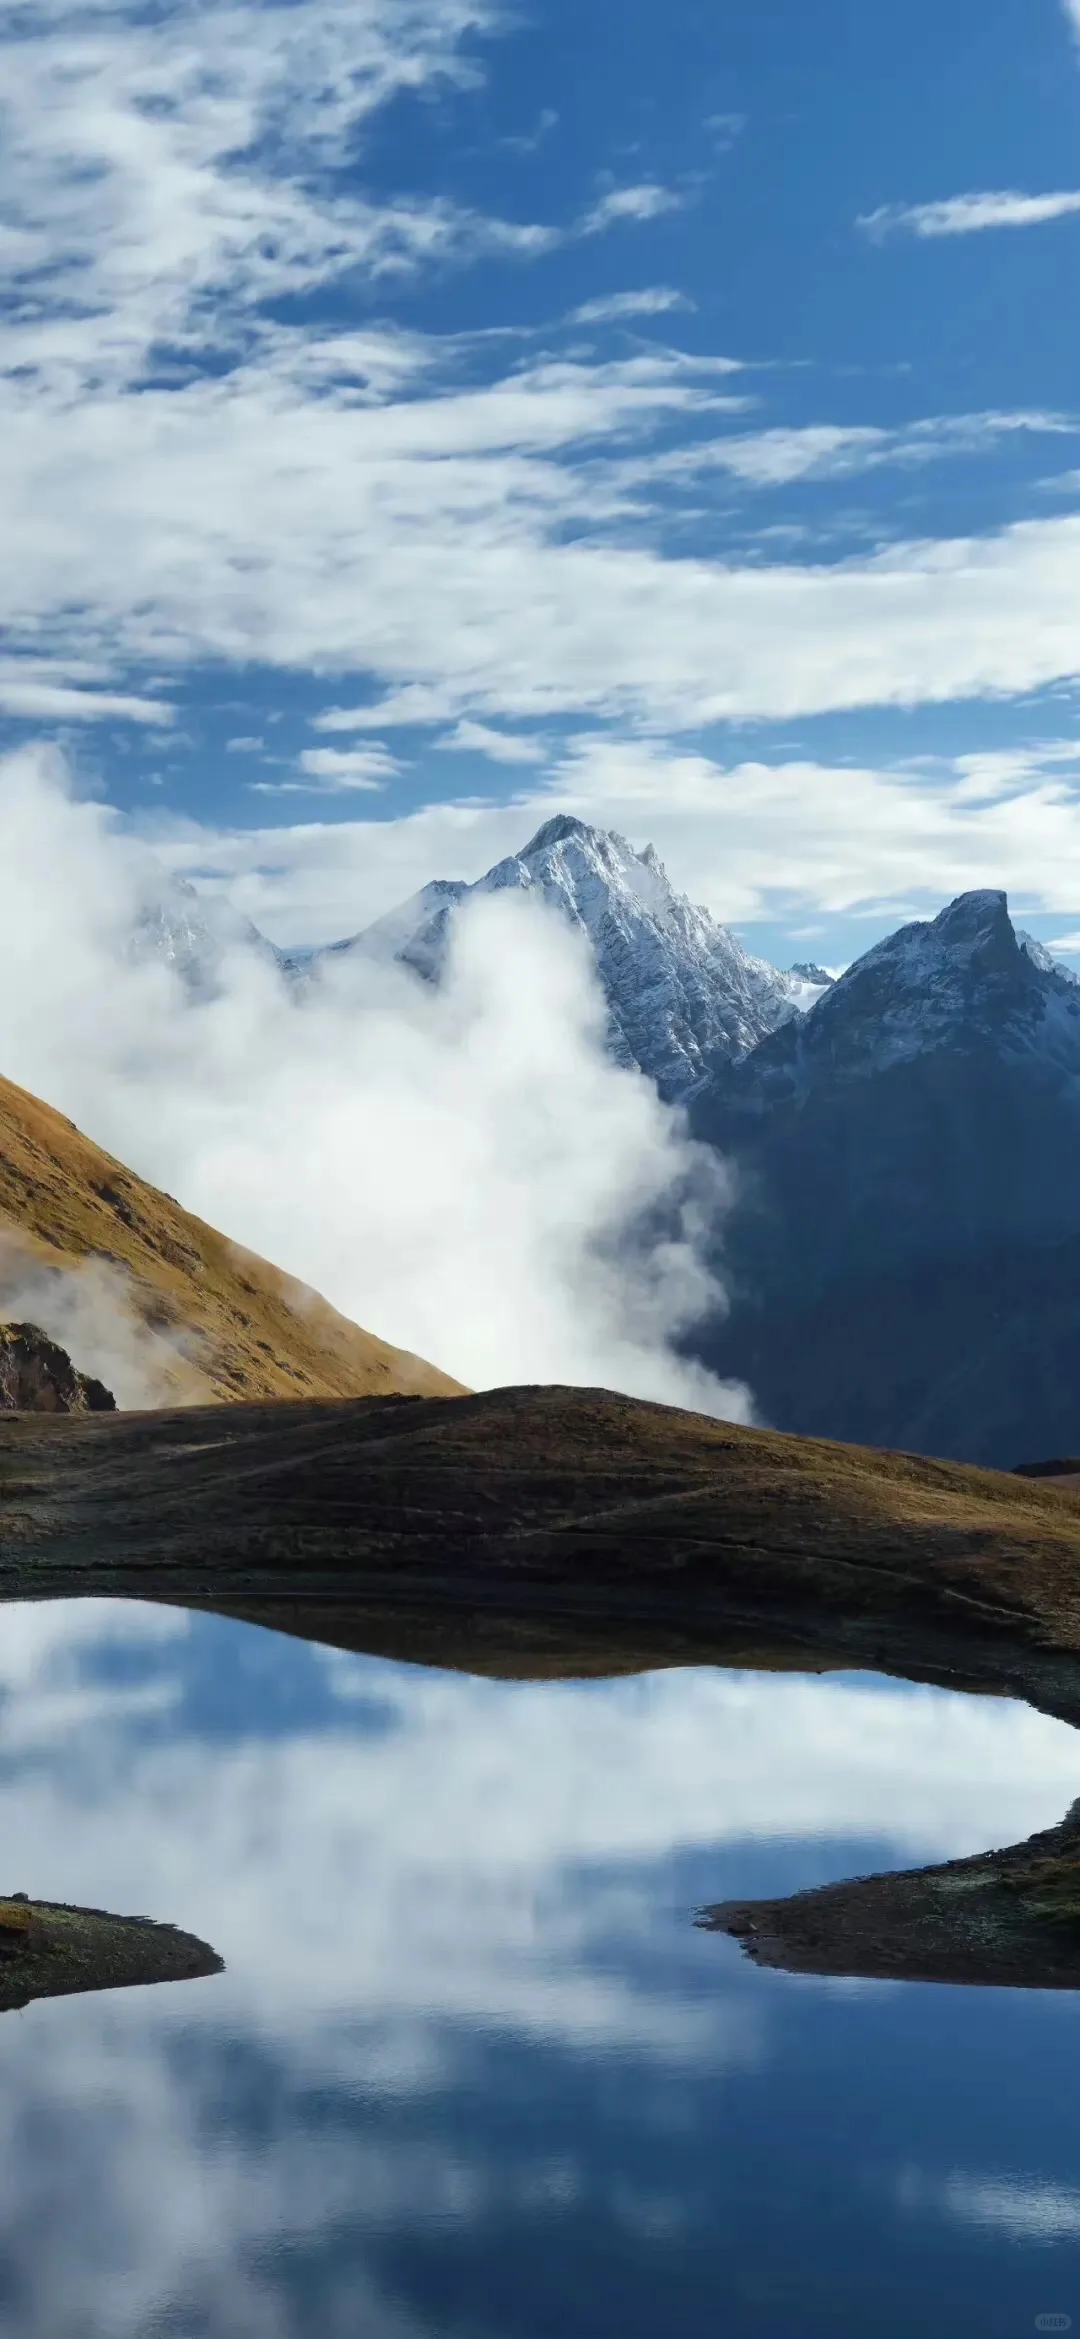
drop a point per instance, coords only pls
(36, 701)
(332, 769)
(774, 458)
(153, 166)
(164, 177)
(89, 1310)
(652, 301)
(464, 1171)
(358, 501)
(726, 128)
(530, 141)
(446, 544)
(479, 739)
(415, 702)
(965, 215)
(758, 839)
(752, 840)
(645, 201)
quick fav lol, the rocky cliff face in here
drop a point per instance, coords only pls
(905, 1255)
(36, 1376)
(681, 991)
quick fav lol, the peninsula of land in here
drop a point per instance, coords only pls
(48, 1950)
(1003, 1920)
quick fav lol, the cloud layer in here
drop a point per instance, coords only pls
(464, 1172)
(193, 478)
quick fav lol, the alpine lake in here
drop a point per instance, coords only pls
(473, 2069)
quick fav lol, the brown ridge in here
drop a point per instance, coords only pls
(222, 1323)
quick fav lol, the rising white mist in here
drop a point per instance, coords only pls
(464, 1172)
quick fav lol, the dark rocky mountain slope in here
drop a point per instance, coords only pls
(904, 1257)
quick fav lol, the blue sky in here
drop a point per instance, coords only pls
(419, 417)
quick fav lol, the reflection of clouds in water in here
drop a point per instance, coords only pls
(123, 2192)
(44, 1693)
(486, 1864)
(465, 1855)
(1024, 2208)
(43, 1640)
(437, 1862)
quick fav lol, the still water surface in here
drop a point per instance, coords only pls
(471, 2072)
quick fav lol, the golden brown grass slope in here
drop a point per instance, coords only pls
(218, 1322)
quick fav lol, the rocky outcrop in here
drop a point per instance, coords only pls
(1003, 1920)
(36, 1376)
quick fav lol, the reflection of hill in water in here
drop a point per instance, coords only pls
(555, 1531)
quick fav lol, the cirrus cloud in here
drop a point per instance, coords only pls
(966, 215)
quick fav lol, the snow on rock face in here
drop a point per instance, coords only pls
(680, 989)
(963, 980)
(192, 935)
(417, 932)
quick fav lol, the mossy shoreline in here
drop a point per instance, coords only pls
(53, 1949)
(1002, 1920)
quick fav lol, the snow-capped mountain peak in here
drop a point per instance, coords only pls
(193, 934)
(681, 991)
(964, 980)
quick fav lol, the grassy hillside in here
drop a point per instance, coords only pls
(212, 1321)
(555, 1530)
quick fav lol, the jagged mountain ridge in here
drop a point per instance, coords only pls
(904, 1253)
(962, 980)
(681, 990)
